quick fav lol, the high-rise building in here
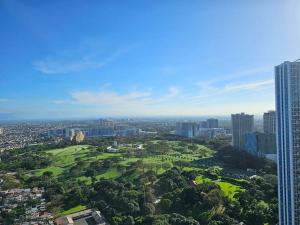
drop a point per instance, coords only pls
(241, 125)
(203, 124)
(1, 131)
(212, 123)
(287, 86)
(187, 129)
(106, 123)
(269, 122)
(260, 144)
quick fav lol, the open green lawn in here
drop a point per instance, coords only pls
(229, 189)
(73, 210)
(55, 170)
(202, 179)
(109, 174)
(66, 157)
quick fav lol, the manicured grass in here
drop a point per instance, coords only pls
(127, 161)
(55, 170)
(202, 179)
(73, 210)
(109, 174)
(229, 189)
(66, 156)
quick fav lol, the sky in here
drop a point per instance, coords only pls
(115, 58)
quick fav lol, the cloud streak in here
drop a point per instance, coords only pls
(248, 86)
(111, 98)
(51, 66)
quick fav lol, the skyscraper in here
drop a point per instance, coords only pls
(287, 84)
(269, 122)
(187, 129)
(212, 123)
(241, 125)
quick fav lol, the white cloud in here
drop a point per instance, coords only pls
(107, 98)
(51, 66)
(249, 86)
(210, 100)
(113, 98)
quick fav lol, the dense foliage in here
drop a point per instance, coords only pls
(144, 196)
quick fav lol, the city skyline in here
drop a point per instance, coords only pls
(138, 59)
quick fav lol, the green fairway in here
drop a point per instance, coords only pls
(110, 174)
(66, 157)
(55, 170)
(229, 189)
(201, 179)
(73, 210)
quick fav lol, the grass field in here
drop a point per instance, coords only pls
(201, 179)
(55, 170)
(73, 210)
(64, 158)
(229, 189)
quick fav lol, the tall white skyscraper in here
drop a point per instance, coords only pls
(241, 125)
(287, 80)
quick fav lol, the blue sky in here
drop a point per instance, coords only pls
(67, 59)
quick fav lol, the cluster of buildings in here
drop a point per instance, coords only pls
(242, 133)
(204, 129)
(19, 134)
(286, 126)
(86, 217)
(244, 137)
(31, 200)
(103, 128)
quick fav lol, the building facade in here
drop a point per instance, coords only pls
(260, 144)
(212, 123)
(241, 125)
(269, 122)
(187, 129)
(287, 86)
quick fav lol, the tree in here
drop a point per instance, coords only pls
(148, 209)
(128, 221)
